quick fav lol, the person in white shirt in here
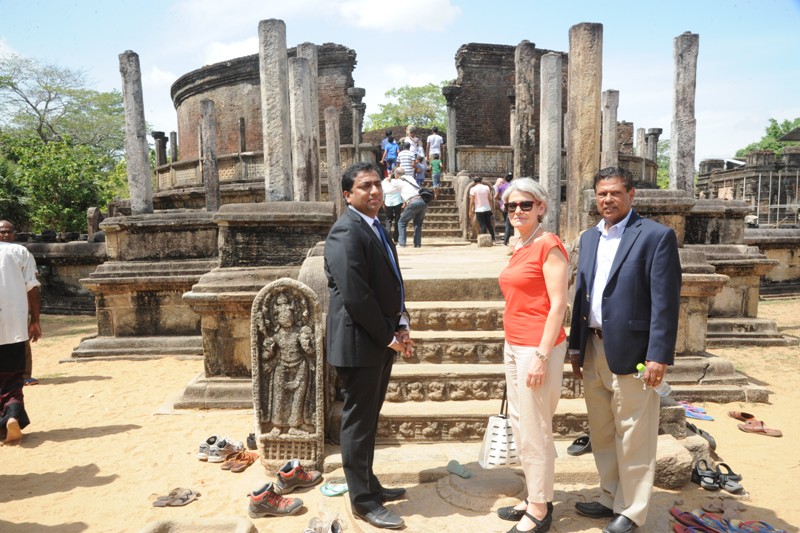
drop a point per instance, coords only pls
(414, 210)
(435, 144)
(19, 322)
(393, 201)
(414, 141)
(480, 204)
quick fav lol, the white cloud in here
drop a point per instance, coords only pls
(156, 78)
(410, 15)
(218, 51)
(5, 48)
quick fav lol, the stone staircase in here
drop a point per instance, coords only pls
(441, 218)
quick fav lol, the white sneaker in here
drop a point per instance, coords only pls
(222, 448)
(205, 447)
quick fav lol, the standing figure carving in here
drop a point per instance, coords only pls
(286, 345)
(288, 365)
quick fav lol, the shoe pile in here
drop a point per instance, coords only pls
(268, 499)
(705, 522)
(216, 448)
(717, 479)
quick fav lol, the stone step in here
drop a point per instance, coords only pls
(433, 232)
(458, 316)
(466, 421)
(459, 382)
(139, 347)
(742, 326)
(473, 347)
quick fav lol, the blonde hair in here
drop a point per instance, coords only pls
(528, 186)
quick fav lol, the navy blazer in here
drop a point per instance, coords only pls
(641, 301)
(365, 294)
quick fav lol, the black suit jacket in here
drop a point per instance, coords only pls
(365, 295)
(641, 301)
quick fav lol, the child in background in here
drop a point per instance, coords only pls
(420, 168)
(436, 174)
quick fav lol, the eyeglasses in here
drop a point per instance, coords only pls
(525, 206)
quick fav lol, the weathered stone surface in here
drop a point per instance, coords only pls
(231, 524)
(272, 233)
(287, 351)
(673, 463)
(450, 93)
(486, 490)
(137, 152)
(208, 120)
(304, 174)
(161, 236)
(485, 241)
(525, 109)
(651, 143)
(684, 125)
(551, 124)
(310, 51)
(781, 245)
(609, 155)
(274, 76)
(582, 135)
(334, 165)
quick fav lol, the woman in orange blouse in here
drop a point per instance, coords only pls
(534, 285)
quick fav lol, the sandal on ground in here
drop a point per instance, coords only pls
(733, 476)
(757, 526)
(580, 446)
(334, 487)
(177, 497)
(703, 476)
(758, 427)
(741, 415)
(697, 431)
(725, 482)
(687, 519)
(243, 461)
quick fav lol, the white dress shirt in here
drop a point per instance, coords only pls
(606, 251)
(17, 277)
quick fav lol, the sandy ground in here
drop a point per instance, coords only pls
(101, 447)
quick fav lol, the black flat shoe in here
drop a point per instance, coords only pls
(594, 510)
(381, 518)
(515, 515)
(541, 526)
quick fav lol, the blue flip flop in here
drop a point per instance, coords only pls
(690, 413)
(334, 487)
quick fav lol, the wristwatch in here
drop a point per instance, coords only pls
(542, 356)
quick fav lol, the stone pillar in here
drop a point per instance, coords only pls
(208, 132)
(334, 161)
(609, 156)
(550, 123)
(512, 116)
(273, 70)
(356, 94)
(651, 143)
(242, 136)
(640, 142)
(173, 146)
(305, 177)
(684, 125)
(310, 52)
(161, 147)
(450, 93)
(585, 76)
(525, 102)
(137, 153)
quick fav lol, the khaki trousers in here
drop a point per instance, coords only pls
(530, 411)
(623, 425)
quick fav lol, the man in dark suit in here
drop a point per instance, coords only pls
(627, 299)
(366, 326)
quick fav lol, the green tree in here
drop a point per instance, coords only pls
(662, 160)
(54, 103)
(774, 131)
(14, 201)
(62, 180)
(422, 106)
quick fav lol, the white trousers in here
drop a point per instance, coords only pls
(531, 410)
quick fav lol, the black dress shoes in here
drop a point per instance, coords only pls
(620, 524)
(390, 495)
(594, 510)
(381, 518)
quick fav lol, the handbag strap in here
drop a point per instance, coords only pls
(411, 183)
(504, 403)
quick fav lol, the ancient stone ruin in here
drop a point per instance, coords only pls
(286, 331)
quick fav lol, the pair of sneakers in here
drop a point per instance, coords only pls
(216, 448)
(268, 500)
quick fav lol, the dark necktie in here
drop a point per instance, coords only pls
(385, 241)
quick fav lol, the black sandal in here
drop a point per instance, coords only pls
(705, 477)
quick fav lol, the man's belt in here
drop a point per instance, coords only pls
(597, 332)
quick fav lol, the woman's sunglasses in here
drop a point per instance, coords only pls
(525, 206)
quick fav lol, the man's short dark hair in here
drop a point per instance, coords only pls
(407, 146)
(435, 129)
(615, 172)
(388, 133)
(349, 176)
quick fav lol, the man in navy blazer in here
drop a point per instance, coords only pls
(366, 327)
(627, 300)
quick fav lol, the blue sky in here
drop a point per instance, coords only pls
(748, 66)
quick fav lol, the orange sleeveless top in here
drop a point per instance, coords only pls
(523, 286)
